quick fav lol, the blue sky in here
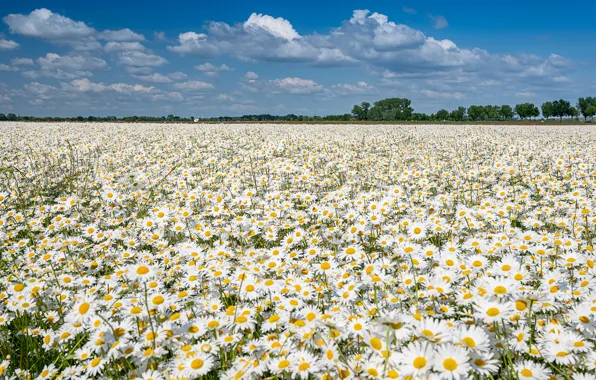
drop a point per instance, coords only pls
(309, 57)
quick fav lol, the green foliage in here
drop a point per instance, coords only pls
(442, 115)
(547, 110)
(590, 112)
(561, 108)
(507, 112)
(476, 112)
(583, 104)
(386, 110)
(526, 110)
(391, 109)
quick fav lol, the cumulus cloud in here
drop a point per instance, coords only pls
(153, 78)
(251, 76)
(297, 86)
(209, 67)
(43, 23)
(53, 61)
(112, 46)
(194, 85)
(7, 44)
(4, 67)
(279, 27)
(22, 62)
(365, 38)
(120, 35)
(139, 58)
(177, 75)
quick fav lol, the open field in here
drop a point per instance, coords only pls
(297, 251)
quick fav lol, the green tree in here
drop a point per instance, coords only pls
(526, 110)
(584, 103)
(358, 112)
(561, 108)
(590, 112)
(506, 112)
(442, 115)
(534, 111)
(492, 112)
(573, 112)
(11, 117)
(547, 109)
(458, 114)
(391, 109)
(365, 107)
(476, 112)
(3, 117)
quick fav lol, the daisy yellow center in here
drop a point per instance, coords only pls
(376, 343)
(493, 312)
(470, 342)
(283, 364)
(303, 367)
(95, 362)
(450, 364)
(142, 270)
(197, 364)
(526, 372)
(500, 290)
(419, 362)
(84, 308)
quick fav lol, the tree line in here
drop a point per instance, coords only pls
(391, 109)
(400, 109)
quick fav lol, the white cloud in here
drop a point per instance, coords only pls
(411, 11)
(132, 88)
(440, 22)
(209, 67)
(251, 76)
(154, 78)
(279, 27)
(53, 61)
(31, 74)
(194, 85)
(7, 44)
(61, 74)
(4, 67)
(177, 75)
(111, 47)
(297, 86)
(138, 70)
(350, 89)
(139, 58)
(43, 23)
(121, 35)
(446, 95)
(167, 97)
(44, 91)
(525, 94)
(84, 85)
(22, 61)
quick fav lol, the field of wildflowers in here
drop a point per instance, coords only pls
(313, 252)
